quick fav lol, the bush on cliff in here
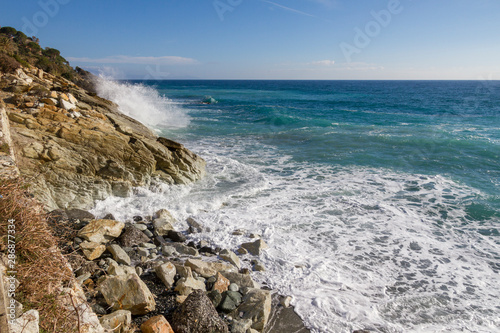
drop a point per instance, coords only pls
(40, 267)
(8, 64)
(27, 52)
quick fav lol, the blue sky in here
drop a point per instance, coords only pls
(261, 39)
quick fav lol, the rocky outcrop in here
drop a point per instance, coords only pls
(78, 148)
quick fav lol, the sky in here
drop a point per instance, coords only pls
(264, 39)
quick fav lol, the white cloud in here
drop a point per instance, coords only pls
(323, 63)
(121, 59)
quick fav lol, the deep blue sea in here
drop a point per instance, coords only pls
(380, 200)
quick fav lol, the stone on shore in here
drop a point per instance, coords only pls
(184, 249)
(119, 254)
(208, 269)
(197, 315)
(92, 250)
(132, 236)
(255, 247)
(162, 226)
(127, 292)
(256, 305)
(231, 257)
(101, 231)
(166, 273)
(242, 280)
(221, 284)
(186, 286)
(156, 324)
(118, 321)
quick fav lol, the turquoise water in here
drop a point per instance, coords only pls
(379, 199)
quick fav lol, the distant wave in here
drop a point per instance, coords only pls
(144, 104)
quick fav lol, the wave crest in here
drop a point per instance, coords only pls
(143, 103)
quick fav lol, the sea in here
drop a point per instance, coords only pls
(379, 200)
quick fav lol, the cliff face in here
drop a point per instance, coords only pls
(78, 148)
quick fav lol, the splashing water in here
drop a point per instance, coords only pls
(144, 104)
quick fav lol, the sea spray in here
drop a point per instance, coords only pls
(143, 103)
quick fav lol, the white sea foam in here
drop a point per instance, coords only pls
(144, 104)
(357, 248)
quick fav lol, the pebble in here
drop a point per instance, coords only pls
(142, 252)
(141, 227)
(234, 287)
(148, 233)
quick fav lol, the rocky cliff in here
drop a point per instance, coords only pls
(77, 147)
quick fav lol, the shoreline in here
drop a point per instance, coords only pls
(21, 118)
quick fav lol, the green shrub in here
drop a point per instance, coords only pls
(9, 31)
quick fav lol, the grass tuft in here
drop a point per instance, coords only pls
(41, 268)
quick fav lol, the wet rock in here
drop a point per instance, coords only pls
(127, 292)
(92, 250)
(176, 236)
(255, 247)
(137, 218)
(168, 250)
(109, 216)
(256, 306)
(119, 255)
(197, 315)
(118, 321)
(101, 231)
(164, 214)
(166, 273)
(258, 266)
(131, 236)
(184, 249)
(234, 287)
(231, 257)
(194, 226)
(156, 324)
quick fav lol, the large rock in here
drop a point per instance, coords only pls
(92, 250)
(231, 257)
(208, 269)
(197, 315)
(118, 321)
(127, 292)
(185, 286)
(156, 324)
(256, 306)
(101, 231)
(255, 247)
(162, 226)
(89, 157)
(166, 273)
(119, 254)
(132, 236)
(242, 280)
